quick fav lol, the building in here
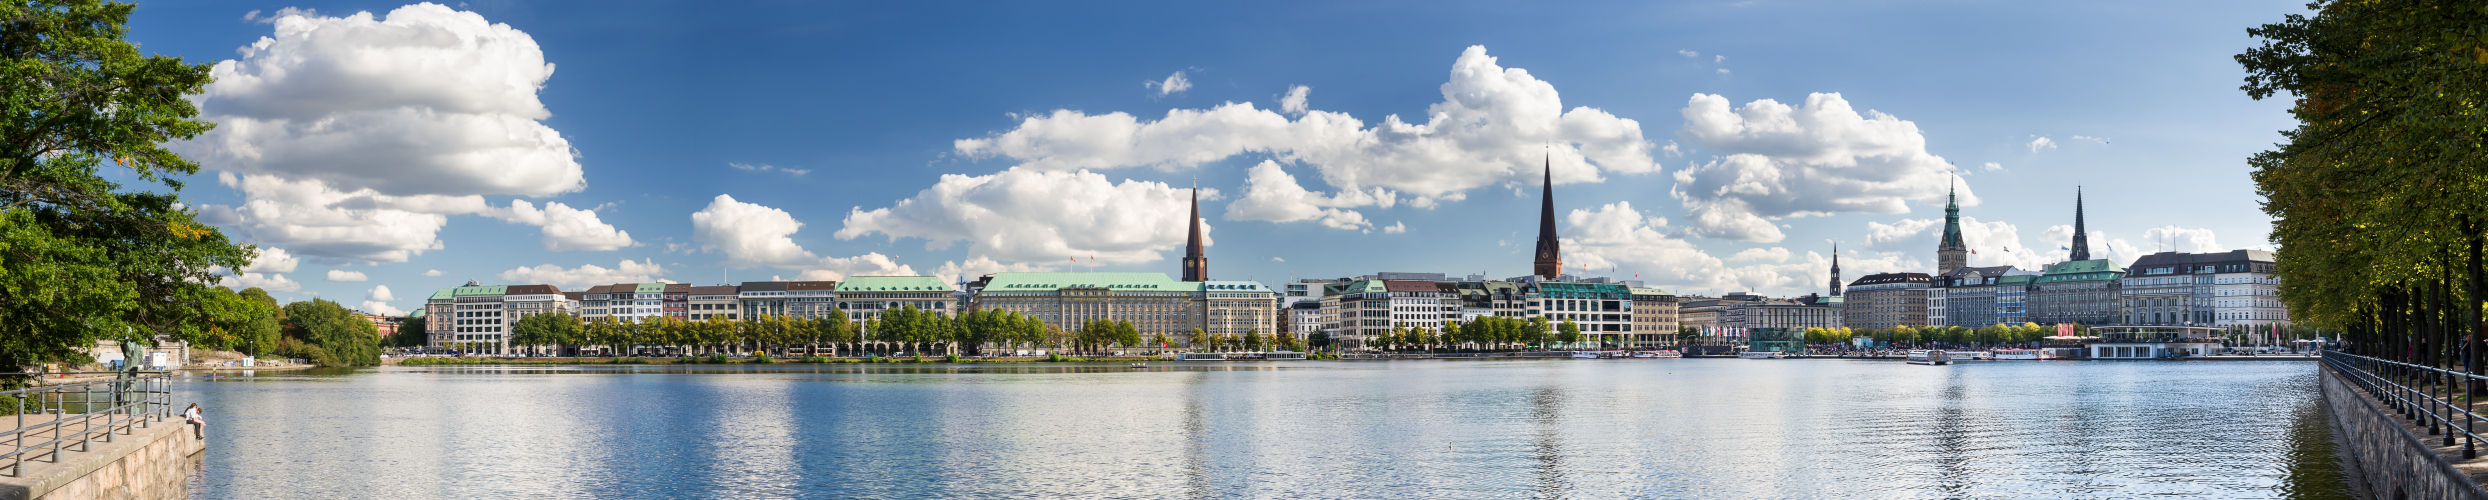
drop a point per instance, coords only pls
(1550, 256)
(1154, 304)
(1964, 297)
(2012, 294)
(1492, 298)
(1835, 270)
(1305, 319)
(1886, 300)
(1950, 253)
(1654, 318)
(866, 297)
(1604, 311)
(2085, 292)
(624, 301)
(708, 301)
(2233, 288)
(2247, 290)
(476, 318)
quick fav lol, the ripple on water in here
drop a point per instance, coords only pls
(1693, 428)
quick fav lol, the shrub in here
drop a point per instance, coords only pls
(717, 359)
(630, 360)
(950, 358)
(762, 358)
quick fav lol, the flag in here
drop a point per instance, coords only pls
(1075, 260)
(1973, 251)
(2062, 247)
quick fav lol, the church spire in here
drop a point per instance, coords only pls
(1835, 269)
(1550, 262)
(1950, 252)
(1196, 265)
(2081, 237)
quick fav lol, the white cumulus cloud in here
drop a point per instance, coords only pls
(1773, 254)
(565, 228)
(272, 260)
(753, 235)
(1783, 161)
(1991, 243)
(433, 273)
(1172, 84)
(1029, 215)
(1396, 227)
(1493, 126)
(381, 308)
(1271, 194)
(2042, 143)
(380, 293)
(586, 275)
(2178, 239)
(341, 275)
(354, 136)
(269, 282)
(1296, 101)
(428, 100)
(1620, 237)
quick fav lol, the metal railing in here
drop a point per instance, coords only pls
(2421, 394)
(74, 415)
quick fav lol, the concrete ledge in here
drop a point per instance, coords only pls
(2390, 460)
(148, 463)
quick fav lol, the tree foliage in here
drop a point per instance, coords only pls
(2385, 169)
(330, 334)
(83, 258)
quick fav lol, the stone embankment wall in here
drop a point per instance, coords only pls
(146, 464)
(2391, 459)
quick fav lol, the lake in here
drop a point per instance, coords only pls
(1678, 428)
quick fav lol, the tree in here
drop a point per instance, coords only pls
(1568, 332)
(343, 337)
(81, 258)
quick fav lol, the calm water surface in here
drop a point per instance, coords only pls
(1690, 428)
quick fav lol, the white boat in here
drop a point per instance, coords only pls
(2015, 355)
(1760, 355)
(1966, 355)
(1584, 355)
(1658, 354)
(1927, 357)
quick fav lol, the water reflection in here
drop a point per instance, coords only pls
(1695, 428)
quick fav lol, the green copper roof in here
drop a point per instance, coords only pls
(444, 294)
(2018, 279)
(1567, 286)
(1359, 286)
(2084, 266)
(2082, 270)
(479, 290)
(1006, 282)
(893, 284)
(649, 288)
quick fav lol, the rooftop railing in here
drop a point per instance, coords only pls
(73, 416)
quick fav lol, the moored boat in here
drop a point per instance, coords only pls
(1929, 357)
(1760, 355)
(1658, 354)
(1966, 355)
(2014, 354)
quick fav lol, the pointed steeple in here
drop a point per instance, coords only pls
(1196, 265)
(1950, 252)
(1835, 269)
(1550, 261)
(2081, 237)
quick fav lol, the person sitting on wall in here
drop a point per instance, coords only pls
(197, 421)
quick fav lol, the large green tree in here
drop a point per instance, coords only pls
(83, 258)
(343, 337)
(2383, 182)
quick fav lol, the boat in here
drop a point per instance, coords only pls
(1967, 355)
(1140, 365)
(1760, 355)
(1200, 356)
(1584, 355)
(1658, 354)
(2014, 354)
(1929, 357)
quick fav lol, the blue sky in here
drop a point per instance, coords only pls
(420, 146)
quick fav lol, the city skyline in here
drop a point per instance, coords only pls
(1656, 148)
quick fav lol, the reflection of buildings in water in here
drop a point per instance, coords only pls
(1546, 409)
(1196, 439)
(1952, 438)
